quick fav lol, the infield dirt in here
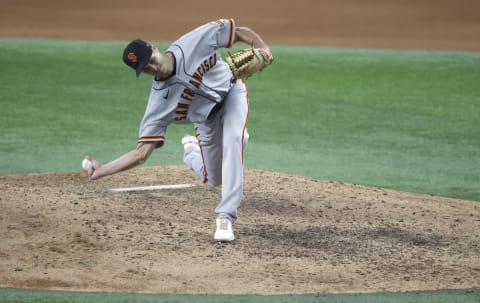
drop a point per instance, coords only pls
(294, 234)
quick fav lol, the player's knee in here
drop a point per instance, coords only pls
(235, 138)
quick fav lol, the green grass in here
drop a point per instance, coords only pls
(8, 295)
(406, 120)
(398, 119)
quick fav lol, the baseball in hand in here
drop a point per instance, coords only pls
(87, 165)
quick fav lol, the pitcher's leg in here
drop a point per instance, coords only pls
(210, 141)
(235, 116)
(192, 156)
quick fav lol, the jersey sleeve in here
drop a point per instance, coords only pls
(153, 128)
(151, 133)
(226, 32)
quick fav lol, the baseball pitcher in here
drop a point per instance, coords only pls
(193, 84)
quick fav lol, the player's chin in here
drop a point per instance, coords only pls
(149, 71)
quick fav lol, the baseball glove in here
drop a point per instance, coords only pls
(247, 62)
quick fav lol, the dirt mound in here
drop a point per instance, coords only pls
(294, 235)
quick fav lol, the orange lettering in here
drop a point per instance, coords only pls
(194, 83)
(132, 57)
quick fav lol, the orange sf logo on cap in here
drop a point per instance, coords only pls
(132, 57)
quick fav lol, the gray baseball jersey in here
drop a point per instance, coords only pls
(201, 81)
(203, 91)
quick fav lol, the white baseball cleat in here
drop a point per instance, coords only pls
(224, 232)
(190, 143)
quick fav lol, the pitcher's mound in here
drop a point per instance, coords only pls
(293, 235)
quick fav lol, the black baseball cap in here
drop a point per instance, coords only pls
(137, 54)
